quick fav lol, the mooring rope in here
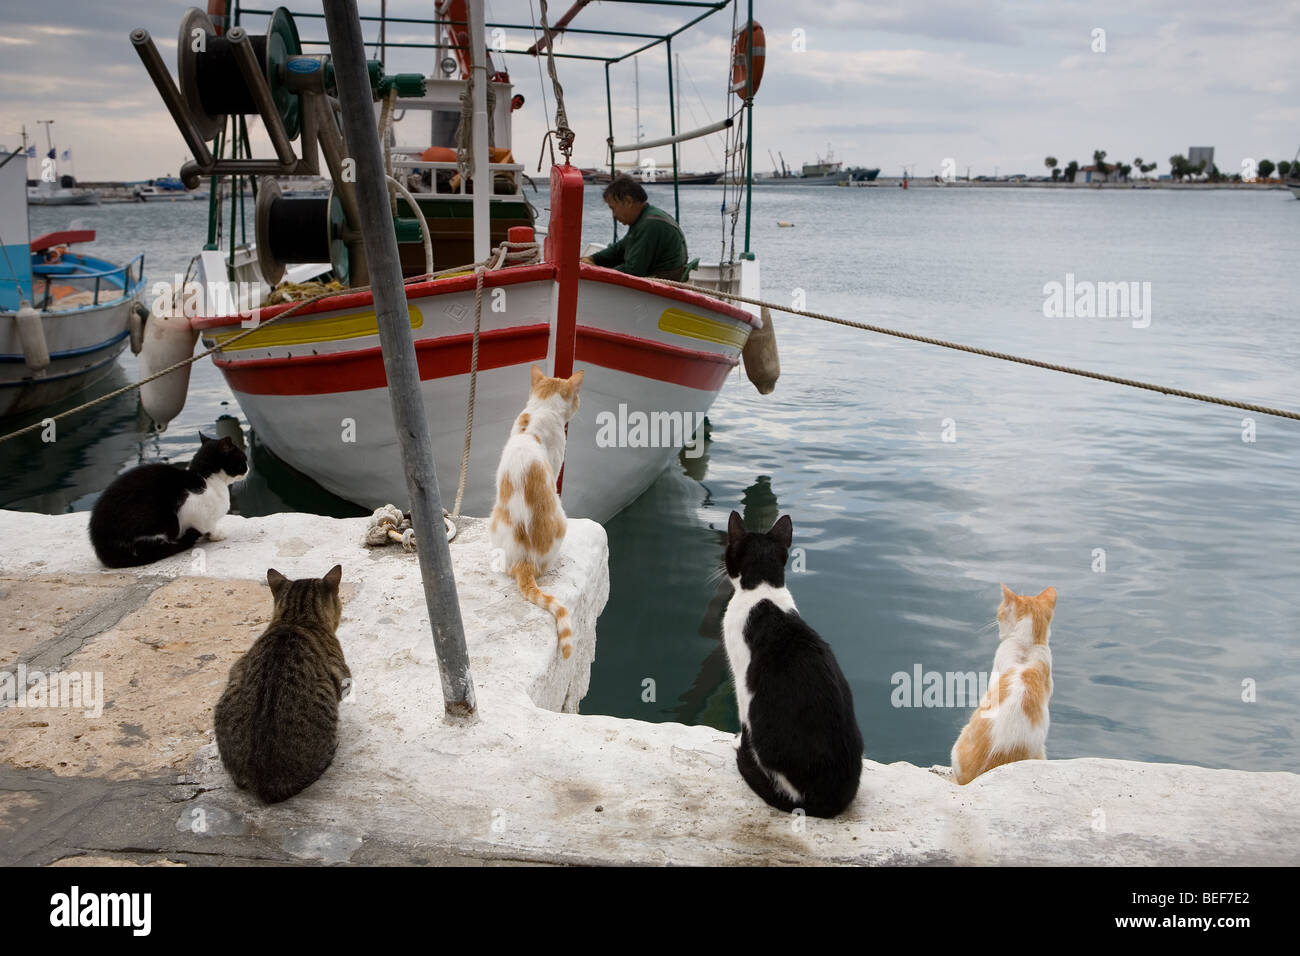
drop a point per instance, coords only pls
(989, 353)
(562, 131)
(473, 387)
(506, 253)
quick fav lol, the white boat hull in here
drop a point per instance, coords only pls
(83, 344)
(322, 406)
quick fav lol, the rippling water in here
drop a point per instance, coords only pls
(906, 536)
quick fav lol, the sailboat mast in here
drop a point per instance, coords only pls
(636, 74)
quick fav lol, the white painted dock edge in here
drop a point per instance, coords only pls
(530, 779)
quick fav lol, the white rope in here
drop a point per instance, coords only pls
(389, 523)
(424, 226)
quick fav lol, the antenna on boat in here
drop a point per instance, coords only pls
(349, 58)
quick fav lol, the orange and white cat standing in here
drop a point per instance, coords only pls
(528, 522)
(1012, 720)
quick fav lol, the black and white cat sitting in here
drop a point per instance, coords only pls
(154, 511)
(799, 743)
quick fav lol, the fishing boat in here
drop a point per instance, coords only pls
(824, 172)
(51, 189)
(48, 194)
(167, 189)
(65, 315)
(313, 387)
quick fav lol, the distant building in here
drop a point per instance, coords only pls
(1091, 174)
(1198, 153)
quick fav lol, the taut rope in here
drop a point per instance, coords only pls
(988, 353)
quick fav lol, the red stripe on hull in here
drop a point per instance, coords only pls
(498, 348)
(649, 359)
(364, 369)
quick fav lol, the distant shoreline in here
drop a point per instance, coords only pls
(918, 183)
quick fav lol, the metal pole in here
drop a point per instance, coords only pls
(672, 129)
(609, 113)
(482, 155)
(346, 45)
(749, 123)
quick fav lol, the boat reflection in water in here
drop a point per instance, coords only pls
(63, 466)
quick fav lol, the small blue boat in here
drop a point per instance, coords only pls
(65, 316)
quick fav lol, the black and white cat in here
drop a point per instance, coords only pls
(154, 511)
(799, 744)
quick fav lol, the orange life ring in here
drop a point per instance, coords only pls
(750, 34)
(217, 11)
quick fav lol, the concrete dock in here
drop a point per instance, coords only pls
(130, 775)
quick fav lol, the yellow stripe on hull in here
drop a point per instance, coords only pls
(699, 327)
(354, 325)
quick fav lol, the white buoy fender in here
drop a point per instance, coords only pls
(135, 325)
(762, 364)
(166, 341)
(36, 353)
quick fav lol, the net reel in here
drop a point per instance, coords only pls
(291, 231)
(212, 84)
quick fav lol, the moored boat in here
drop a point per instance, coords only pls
(313, 386)
(65, 316)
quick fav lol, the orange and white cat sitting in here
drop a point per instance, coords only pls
(528, 522)
(1011, 721)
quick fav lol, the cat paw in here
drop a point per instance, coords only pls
(215, 535)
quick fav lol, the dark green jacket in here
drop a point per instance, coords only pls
(654, 246)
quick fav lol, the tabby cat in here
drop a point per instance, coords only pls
(528, 522)
(154, 511)
(799, 744)
(1011, 721)
(277, 721)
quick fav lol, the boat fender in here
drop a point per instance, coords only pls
(31, 332)
(135, 325)
(784, 224)
(167, 340)
(762, 364)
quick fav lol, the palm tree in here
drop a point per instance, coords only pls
(1099, 159)
(1050, 163)
(1137, 162)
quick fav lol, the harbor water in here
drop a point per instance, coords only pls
(917, 478)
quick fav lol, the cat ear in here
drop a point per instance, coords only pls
(1007, 593)
(333, 576)
(1048, 595)
(276, 580)
(783, 531)
(576, 379)
(735, 527)
(203, 439)
(538, 375)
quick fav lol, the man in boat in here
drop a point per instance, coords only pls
(653, 246)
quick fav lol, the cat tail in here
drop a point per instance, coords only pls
(145, 550)
(525, 576)
(757, 778)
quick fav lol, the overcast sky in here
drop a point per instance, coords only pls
(1001, 83)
